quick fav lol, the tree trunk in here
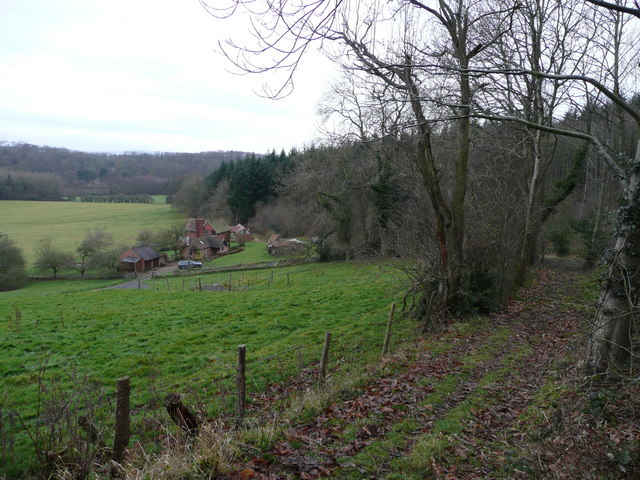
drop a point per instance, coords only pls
(610, 341)
(529, 239)
(460, 184)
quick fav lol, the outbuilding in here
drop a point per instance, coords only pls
(140, 259)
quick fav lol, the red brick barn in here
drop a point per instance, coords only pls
(140, 259)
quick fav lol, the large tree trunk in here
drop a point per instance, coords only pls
(610, 341)
(460, 183)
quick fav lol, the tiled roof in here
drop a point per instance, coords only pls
(146, 252)
(207, 242)
(273, 239)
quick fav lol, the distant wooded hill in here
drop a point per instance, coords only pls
(24, 168)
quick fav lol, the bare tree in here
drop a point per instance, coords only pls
(145, 237)
(172, 238)
(49, 257)
(93, 247)
(611, 339)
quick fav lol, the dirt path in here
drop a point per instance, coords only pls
(460, 406)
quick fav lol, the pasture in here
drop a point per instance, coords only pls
(169, 339)
(254, 252)
(67, 223)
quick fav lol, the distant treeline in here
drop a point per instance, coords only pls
(30, 186)
(130, 173)
(120, 198)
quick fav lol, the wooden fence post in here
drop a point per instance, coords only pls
(122, 426)
(199, 284)
(325, 358)
(387, 336)
(287, 279)
(241, 383)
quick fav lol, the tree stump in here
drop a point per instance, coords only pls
(181, 415)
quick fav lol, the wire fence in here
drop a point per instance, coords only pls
(237, 280)
(76, 419)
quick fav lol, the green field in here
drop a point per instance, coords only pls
(169, 338)
(67, 223)
(253, 252)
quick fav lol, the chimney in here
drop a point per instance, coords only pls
(199, 227)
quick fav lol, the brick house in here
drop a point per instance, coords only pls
(205, 248)
(203, 241)
(199, 227)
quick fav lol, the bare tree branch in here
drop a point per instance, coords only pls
(618, 8)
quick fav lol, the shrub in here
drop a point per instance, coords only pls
(479, 290)
(12, 272)
(593, 241)
(561, 236)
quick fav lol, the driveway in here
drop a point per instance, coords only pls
(138, 283)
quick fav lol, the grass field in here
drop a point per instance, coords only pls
(167, 339)
(254, 252)
(67, 223)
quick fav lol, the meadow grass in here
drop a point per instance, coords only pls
(173, 340)
(254, 252)
(36, 288)
(67, 223)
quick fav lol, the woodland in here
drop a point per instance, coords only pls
(30, 172)
(467, 135)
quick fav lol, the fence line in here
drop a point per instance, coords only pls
(124, 415)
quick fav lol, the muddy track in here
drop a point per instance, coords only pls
(533, 332)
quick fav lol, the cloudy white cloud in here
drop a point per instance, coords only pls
(139, 75)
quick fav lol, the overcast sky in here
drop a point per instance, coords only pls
(142, 75)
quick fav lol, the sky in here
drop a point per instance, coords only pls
(140, 75)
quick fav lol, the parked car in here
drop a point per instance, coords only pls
(189, 264)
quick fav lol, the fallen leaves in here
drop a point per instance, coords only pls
(496, 438)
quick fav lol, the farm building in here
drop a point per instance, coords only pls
(284, 246)
(140, 259)
(240, 233)
(204, 248)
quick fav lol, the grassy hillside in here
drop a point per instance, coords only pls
(168, 339)
(500, 397)
(27, 223)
